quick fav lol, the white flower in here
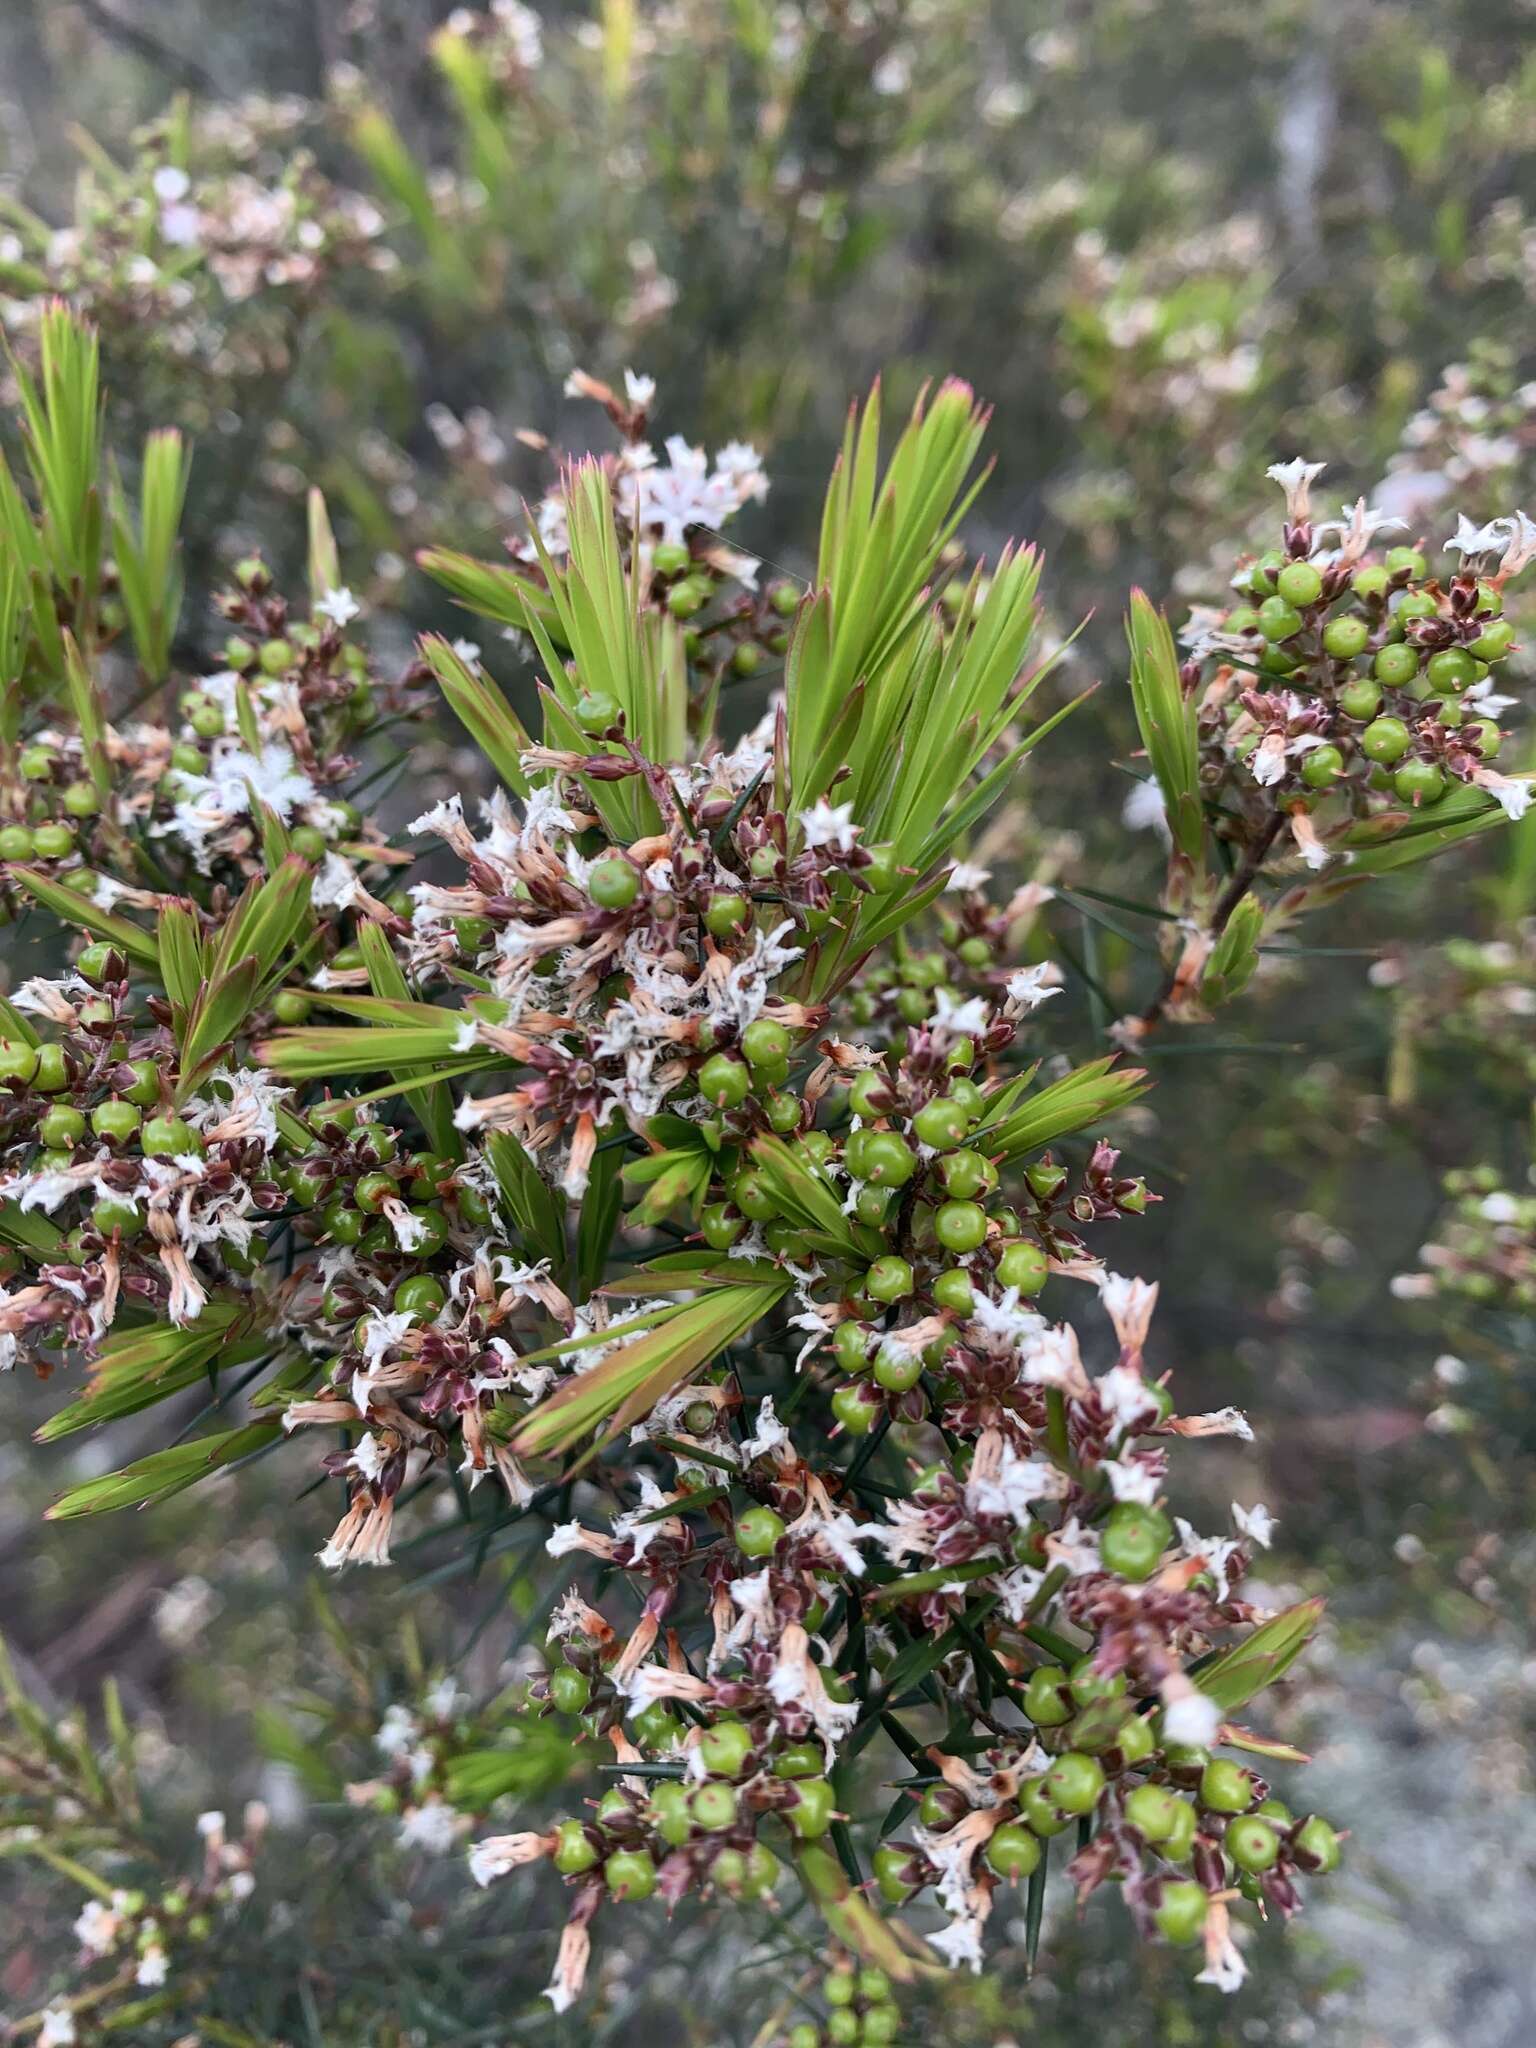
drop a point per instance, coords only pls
(1224, 1966)
(1031, 986)
(768, 1432)
(825, 826)
(154, 1968)
(432, 1826)
(959, 1942)
(639, 390)
(1145, 808)
(339, 606)
(1512, 792)
(1013, 1485)
(1296, 479)
(398, 1730)
(210, 1825)
(170, 183)
(96, 1927)
(966, 875)
(1130, 1479)
(1191, 1719)
(952, 1020)
(1256, 1522)
(58, 2028)
(1478, 540)
(498, 1854)
(444, 818)
(468, 651)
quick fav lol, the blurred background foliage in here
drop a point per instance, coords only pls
(364, 244)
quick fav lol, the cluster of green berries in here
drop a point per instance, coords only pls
(1484, 1249)
(1366, 680)
(861, 2011)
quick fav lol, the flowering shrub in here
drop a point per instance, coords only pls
(684, 1159)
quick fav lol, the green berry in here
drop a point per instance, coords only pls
(1044, 1697)
(1024, 1266)
(897, 1370)
(1321, 766)
(798, 1760)
(1042, 1816)
(570, 1690)
(168, 1137)
(16, 842)
(714, 1807)
(1180, 1913)
(720, 1226)
(727, 915)
(1396, 664)
(882, 871)
(373, 1190)
(1299, 583)
(630, 1874)
(1225, 1787)
(1153, 1811)
(1420, 782)
(890, 1866)
(726, 1746)
(1414, 604)
(765, 1043)
(113, 1216)
(1494, 642)
(1013, 1851)
(670, 557)
(889, 1279)
(754, 1197)
(1075, 1782)
(1386, 739)
(967, 1174)
(952, 1291)
(422, 1294)
(1316, 1844)
(99, 963)
(883, 1158)
(815, 1806)
(344, 1224)
(854, 1408)
(61, 1126)
(1278, 620)
(669, 1811)
(941, 1124)
(574, 1852)
(960, 1226)
(37, 763)
(1345, 638)
(290, 1006)
(613, 884)
(1452, 670)
(54, 842)
(1252, 1844)
(81, 800)
(759, 1532)
(1133, 1540)
(724, 1081)
(850, 1346)
(1409, 561)
(1178, 1844)
(869, 1093)
(1487, 735)
(18, 1060)
(116, 1121)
